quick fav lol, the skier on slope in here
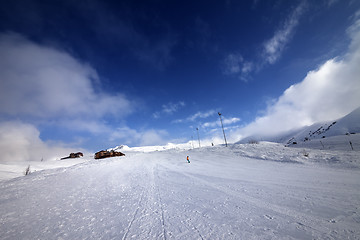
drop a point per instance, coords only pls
(188, 159)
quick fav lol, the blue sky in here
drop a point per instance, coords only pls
(96, 74)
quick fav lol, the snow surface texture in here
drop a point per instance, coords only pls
(249, 191)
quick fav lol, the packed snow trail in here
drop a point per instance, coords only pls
(219, 195)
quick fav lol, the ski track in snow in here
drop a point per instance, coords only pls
(306, 220)
(224, 193)
(134, 216)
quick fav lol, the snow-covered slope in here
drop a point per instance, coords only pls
(125, 148)
(250, 191)
(13, 169)
(350, 124)
(345, 126)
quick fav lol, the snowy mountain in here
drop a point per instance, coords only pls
(345, 126)
(349, 124)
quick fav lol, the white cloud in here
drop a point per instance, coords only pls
(235, 64)
(21, 142)
(247, 67)
(197, 116)
(153, 137)
(273, 47)
(232, 63)
(331, 2)
(226, 121)
(169, 109)
(126, 135)
(201, 115)
(325, 94)
(43, 82)
(93, 126)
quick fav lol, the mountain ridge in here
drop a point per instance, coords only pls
(349, 124)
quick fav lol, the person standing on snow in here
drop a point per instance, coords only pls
(188, 159)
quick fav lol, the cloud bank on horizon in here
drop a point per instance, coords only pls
(44, 85)
(57, 85)
(21, 142)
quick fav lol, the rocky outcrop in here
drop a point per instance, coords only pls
(74, 155)
(107, 154)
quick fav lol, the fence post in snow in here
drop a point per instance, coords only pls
(351, 145)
